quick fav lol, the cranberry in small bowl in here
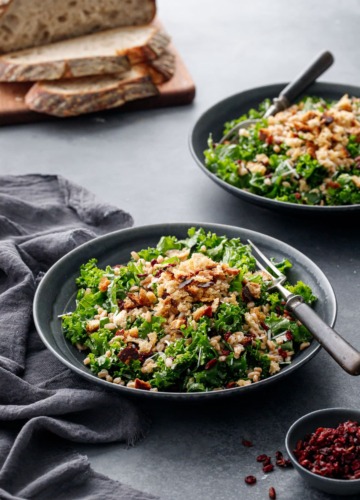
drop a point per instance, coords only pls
(324, 447)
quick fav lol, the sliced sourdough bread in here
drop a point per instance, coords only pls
(111, 51)
(64, 98)
(29, 23)
(161, 69)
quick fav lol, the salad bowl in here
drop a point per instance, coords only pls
(56, 295)
(212, 121)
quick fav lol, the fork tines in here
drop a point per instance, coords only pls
(273, 268)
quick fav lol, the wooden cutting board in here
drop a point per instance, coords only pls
(177, 91)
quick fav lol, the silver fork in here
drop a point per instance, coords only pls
(342, 352)
(288, 94)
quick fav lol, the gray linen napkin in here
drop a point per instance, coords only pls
(43, 405)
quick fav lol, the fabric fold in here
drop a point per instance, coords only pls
(44, 406)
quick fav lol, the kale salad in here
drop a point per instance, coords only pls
(308, 154)
(190, 315)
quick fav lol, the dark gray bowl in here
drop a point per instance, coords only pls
(330, 417)
(212, 121)
(56, 295)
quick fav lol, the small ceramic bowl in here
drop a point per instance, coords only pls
(330, 417)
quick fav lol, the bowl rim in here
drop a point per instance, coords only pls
(309, 416)
(252, 197)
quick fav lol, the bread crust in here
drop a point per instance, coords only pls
(43, 99)
(56, 70)
(13, 71)
(152, 50)
(161, 69)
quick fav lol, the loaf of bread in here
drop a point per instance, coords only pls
(84, 55)
(73, 97)
(110, 51)
(30, 23)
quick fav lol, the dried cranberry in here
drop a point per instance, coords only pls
(283, 353)
(211, 363)
(264, 326)
(281, 461)
(230, 385)
(272, 493)
(287, 463)
(262, 458)
(227, 336)
(268, 468)
(119, 332)
(332, 184)
(331, 452)
(247, 443)
(288, 335)
(250, 480)
(208, 312)
(153, 262)
(127, 354)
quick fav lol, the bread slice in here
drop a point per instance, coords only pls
(93, 93)
(72, 97)
(161, 69)
(111, 51)
(30, 23)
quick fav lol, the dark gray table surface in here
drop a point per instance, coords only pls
(140, 162)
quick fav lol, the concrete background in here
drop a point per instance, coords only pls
(140, 161)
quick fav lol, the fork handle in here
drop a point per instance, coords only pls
(322, 62)
(288, 95)
(342, 352)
